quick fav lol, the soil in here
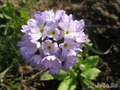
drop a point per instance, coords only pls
(94, 12)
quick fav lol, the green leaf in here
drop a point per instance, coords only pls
(88, 85)
(85, 84)
(62, 75)
(95, 51)
(118, 82)
(46, 76)
(90, 73)
(3, 26)
(1, 16)
(72, 73)
(5, 13)
(24, 14)
(91, 61)
(96, 46)
(9, 11)
(68, 84)
(95, 26)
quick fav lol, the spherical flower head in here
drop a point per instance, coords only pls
(52, 41)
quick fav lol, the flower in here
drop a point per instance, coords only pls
(52, 40)
(67, 44)
(49, 48)
(54, 32)
(53, 63)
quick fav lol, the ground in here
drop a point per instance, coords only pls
(94, 12)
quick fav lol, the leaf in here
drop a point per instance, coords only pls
(96, 46)
(91, 61)
(118, 82)
(9, 11)
(88, 85)
(62, 75)
(90, 73)
(95, 26)
(24, 14)
(1, 16)
(3, 26)
(4, 72)
(46, 76)
(5, 13)
(95, 51)
(68, 84)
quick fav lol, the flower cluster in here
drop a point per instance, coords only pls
(52, 40)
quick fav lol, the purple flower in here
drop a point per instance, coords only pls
(25, 54)
(40, 30)
(69, 60)
(49, 48)
(67, 45)
(52, 40)
(30, 46)
(53, 63)
(80, 37)
(54, 32)
(35, 61)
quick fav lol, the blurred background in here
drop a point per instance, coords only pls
(102, 19)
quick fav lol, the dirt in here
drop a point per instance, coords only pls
(94, 12)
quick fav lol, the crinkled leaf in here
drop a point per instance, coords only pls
(62, 75)
(90, 73)
(91, 61)
(68, 84)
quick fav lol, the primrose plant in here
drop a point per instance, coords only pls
(53, 41)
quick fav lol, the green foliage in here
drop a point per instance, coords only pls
(69, 83)
(88, 85)
(91, 61)
(118, 82)
(46, 76)
(61, 75)
(88, 46)
(10, 25)
(12, 19)
(90, 73)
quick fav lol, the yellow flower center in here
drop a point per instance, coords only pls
(67, 32)
(49, 47)
(41, 30)
(53, 32)
(65, 45)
